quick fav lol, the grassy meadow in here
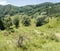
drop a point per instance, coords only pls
(43, 38)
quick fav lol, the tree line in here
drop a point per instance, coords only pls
(7, 22)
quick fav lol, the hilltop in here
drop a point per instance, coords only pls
(31, 10)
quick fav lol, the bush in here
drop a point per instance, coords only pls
(26, 21)
(16, 22)
(41, 20)
(1, 25)
(7, 22)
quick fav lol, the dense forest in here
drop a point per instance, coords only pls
(30, 10)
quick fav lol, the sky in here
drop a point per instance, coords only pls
(25, 2)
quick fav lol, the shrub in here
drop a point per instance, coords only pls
(1, 25)
(26, 21)
(41, 20)
(7, 22)
(16, 22)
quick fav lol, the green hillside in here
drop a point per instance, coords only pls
(31, 10)
(30, 28)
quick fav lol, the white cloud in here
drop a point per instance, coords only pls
(3, 2)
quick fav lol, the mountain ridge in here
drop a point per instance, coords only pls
(30, 9)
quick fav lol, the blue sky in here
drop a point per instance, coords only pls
(25, 2)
